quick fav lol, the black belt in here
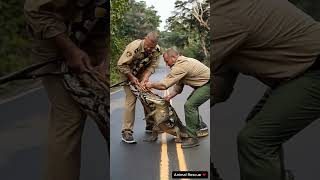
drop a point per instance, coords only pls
(196, 87)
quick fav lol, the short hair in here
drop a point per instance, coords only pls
(153, 36)
(171, 52)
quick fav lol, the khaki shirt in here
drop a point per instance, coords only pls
(134, 56)
(186, 71)
(271, 40)
(49, 18)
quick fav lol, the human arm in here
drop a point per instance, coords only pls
(45, 23)
(222, 82)
(227, 37)
(175, 75)
(126, 59)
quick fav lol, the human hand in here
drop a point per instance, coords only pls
(134, 80)
(78, 60)
(148, 85)
(143, 87)
(144, 81)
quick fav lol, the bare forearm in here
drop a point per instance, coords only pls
(146, 75)
(76, 59)
(172, 94)
(158, 86)
(130, 76)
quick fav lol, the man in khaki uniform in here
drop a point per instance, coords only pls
(137, 63)
(49, 22)
(279, 45)
(187, 71)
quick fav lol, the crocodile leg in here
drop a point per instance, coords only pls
(154, 134)
(178, 132)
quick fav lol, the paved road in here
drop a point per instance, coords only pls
(153, 161)
(23, 132)
(302, 151)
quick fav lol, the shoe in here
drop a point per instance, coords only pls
(203, 126)
(202, 130)
(202, 133)
(190, 142)
(127, 137)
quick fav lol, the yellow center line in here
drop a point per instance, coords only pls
(164, 161)
(181, 159)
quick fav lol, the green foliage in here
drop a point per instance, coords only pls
(170, 39)
(139, 20)
(118, 9)
(186, 31)
(14, 43)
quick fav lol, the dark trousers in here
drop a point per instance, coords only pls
(278, 116)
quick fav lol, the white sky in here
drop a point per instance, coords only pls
(164, 8)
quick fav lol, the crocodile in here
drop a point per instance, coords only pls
(163, 114)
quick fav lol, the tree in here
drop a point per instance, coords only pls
(191, 20)
(139, 20)
(14, 42)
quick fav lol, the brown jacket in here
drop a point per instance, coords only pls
(186, 71)
(48, 18)
(271, 40)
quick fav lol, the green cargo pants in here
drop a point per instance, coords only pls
(191, 108)
(279, 115)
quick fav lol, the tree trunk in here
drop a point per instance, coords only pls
(203, 45)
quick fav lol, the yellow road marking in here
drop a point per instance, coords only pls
(164, 160)
(180, 154)
(181, 159)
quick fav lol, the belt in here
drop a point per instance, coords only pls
(196, 87)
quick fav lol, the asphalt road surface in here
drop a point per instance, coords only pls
(23, 133)
(154, 161)
(301, 152)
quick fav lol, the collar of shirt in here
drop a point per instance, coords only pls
(179, 59)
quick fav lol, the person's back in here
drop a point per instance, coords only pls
(196, 73)
(269, 39)
(279, 44)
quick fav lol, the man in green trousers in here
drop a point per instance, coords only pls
(187, 71)
(279, 45)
